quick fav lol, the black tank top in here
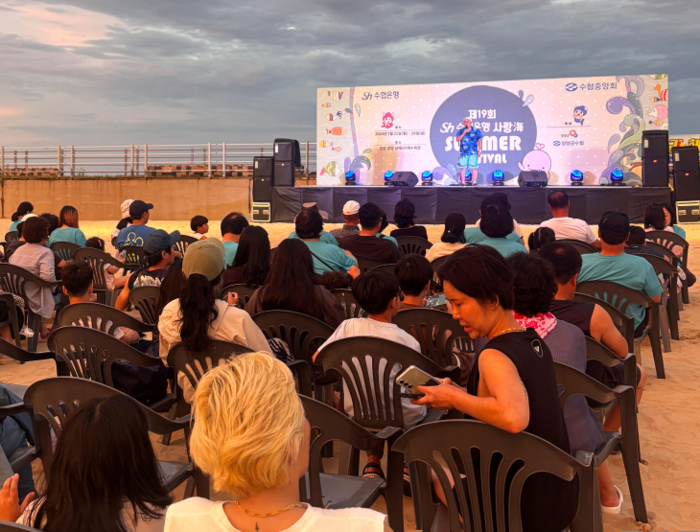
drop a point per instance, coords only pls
(548, 503)
(574, 312)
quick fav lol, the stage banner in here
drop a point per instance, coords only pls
(683, 140)
(593, 125)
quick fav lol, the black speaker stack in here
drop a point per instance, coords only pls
(686, 179)
(532, 179)
(287, 157)
(655, 158)
(404, 179)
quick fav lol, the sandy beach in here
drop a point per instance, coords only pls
(668, 414)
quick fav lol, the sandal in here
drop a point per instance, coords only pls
(374, 471)
(614, 509)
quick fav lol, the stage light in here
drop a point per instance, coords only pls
(497, 178)
(577, 178)
(387, 178)
(350, 178)
(427, 178)
(616, 177)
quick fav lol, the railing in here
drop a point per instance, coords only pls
(142, 160)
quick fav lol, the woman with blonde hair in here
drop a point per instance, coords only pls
(68, 229)
(252, 439)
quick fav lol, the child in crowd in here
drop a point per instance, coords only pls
(200, 227)
(111, 282)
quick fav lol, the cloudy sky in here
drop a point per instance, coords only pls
(108, 72)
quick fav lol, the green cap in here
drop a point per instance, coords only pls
(204, 257)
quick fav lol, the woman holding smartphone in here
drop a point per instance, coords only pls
(512, 385)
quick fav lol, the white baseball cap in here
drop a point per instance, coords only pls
(351, 207)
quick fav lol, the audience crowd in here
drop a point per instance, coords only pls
(251, 436)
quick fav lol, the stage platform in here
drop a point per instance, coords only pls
(433, 204)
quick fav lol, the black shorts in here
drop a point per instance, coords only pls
(609, 376)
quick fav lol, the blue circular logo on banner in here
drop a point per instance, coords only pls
(507, 124)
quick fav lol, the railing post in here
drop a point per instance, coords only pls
(145, 160)
(2, 161)
(209, 158)
(72, 162)
(125, 173)
(26, 159)
(138, 159)
(59, 167)
(223, 159)
(132, 160)
(15, 159)
(306, 163)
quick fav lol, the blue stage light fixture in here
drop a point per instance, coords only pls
(616, 177)
(350, 178)
(427, 178)
(577, 178)
(497, 177)
(387, 178)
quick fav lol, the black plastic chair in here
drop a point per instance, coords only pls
(388, 268)
(14, 279)
(437, 333)
(99, 317)
(183, 242)
(6, 526)
(582, 247)
(413, 245)
(23, 456)
(12, 320)
(244, 292)
(322, 490)
(65, 250)
(573, 382)
(623, 323)
(145, 300)
(669, 239)
(53, 400)
(90, 354)
(436, 284)
(597, 351)
(453, 444)
(194, 365)
(17, 353)
(350, 305)
(303, 335)
(11, 236)
(669, 309)
(135, 257)
(366, 265)
(621, 297)
(97, 260)
(377, 400)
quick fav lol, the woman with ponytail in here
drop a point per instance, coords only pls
(197, 316)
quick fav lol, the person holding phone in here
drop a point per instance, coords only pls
(512, 385)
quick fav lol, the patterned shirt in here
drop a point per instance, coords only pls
(469, 145)
(346, 230)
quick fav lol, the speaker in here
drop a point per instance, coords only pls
(283, 174)
(688, 212)
(655, 144)
(655, 172)
(261, 212)
(532, 179)
(262, 179)
(686, 173)
(404, 179)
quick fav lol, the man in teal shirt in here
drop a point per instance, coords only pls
(497, 224)
(326, 257)
(474, 235)
(612, 264)
(231, 228)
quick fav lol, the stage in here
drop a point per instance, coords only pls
(433, 204)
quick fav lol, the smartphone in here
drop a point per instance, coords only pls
(413, 377)
(438, 300)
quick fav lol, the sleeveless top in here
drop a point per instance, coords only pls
(548, 503)
(574, 312)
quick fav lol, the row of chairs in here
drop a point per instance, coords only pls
(378, 412)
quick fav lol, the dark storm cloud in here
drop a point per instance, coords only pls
(237, 71)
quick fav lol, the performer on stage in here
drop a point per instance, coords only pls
(469, 152)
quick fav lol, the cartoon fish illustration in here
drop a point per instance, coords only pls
(662, 95)
(337, 96)
(659, 76)
(339, 114)
(330, 169)
(325, 144)
(358, 109)
(330, 117)
(326, 105)
(337, 149)
(336, 131)
(656, 122)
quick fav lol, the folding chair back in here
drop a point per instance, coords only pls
(183, 242)
(350, 305)
(413, 245)
(65, 250)
(145, 300)
(582, 247)
(195, 365)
